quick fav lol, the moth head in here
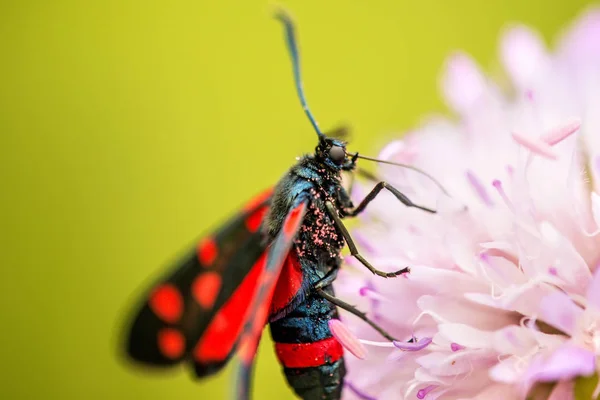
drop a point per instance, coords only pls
(332, 153)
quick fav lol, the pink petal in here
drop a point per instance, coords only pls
(449, 206)
(523, 53)
(582, 43)
(501, 268)
(450, 364)
(558, 310)
(462, 311)
(466, 335)
(497, 392)
(358, 392)
(485, 300)
(347, 339)
(436, 279)
(574, 269)
(462, 82)
(595, 200)
(514, 340)
(564, 390)
(393, 151)
(506, 371)
(593, 291)
(567, 362)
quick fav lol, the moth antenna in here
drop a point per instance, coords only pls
(290, 38)
(437, 183)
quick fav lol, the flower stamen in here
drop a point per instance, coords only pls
(422, 393)
(560, 133)
(371, 294)
(498, 185)
(347, 339)
(456, 347)
(479, 188)
(413, 346)
(376, 344)
(535, 145)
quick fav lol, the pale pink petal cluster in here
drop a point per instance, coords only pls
(502, 296)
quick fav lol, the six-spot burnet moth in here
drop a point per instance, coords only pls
(273, 262)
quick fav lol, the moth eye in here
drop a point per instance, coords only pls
(337, 154)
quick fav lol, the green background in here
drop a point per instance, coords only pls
(128, 128)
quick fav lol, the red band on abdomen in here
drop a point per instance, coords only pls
(305, 355)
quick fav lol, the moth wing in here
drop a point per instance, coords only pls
(259, 310)
(205, 292)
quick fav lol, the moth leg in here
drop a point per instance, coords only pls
(365, 174)
(399, 195)
(354, 250)
(353, 310)
(326, 280)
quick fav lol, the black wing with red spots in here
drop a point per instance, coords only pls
(204, 298)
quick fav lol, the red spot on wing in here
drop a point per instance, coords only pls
(258, 200)
(254, 220)
(207, 252)
(294, 219)
(304, 355)
(166, 302)
(223, 331)
(205, 289)
(171, 343)
(288, 284)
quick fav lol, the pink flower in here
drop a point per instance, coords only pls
(502, 294)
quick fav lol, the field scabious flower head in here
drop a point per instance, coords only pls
(503, 295)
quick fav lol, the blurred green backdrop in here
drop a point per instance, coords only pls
(128, 128)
